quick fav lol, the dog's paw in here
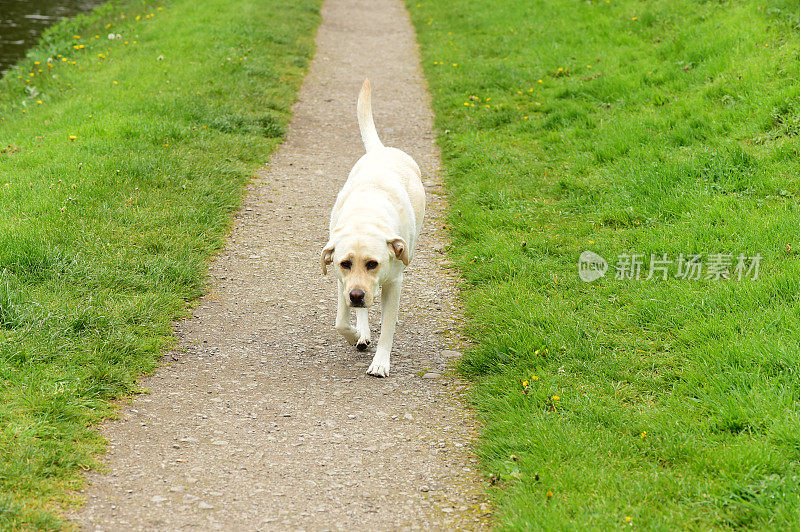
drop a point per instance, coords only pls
(363, 344)
(379, 366)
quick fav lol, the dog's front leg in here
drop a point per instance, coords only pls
(343, 319)
(390, 302)
(362, 324)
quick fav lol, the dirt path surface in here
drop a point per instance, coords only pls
(264, 418)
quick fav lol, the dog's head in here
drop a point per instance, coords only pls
(362, 263)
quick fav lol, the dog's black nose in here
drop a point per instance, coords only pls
(357, 297)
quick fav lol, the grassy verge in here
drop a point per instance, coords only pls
(626, 127)
(121, 162)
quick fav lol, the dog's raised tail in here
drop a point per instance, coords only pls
(365, 123)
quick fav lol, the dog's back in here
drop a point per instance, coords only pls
(389, 171)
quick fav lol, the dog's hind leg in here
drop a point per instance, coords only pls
(362, 325)
(343, 319)
(390, 303)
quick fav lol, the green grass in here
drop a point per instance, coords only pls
(118, 176)
(626, 127)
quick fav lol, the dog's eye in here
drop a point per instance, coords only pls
(346, 264)
(371, 264)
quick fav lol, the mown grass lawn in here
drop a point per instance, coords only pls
(626, 127)
(121, 161)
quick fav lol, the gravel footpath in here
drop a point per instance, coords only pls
(263, 418)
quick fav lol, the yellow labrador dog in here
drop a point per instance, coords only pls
(374, 226)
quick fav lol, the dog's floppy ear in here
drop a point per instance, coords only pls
(327, 257)
(399, 248)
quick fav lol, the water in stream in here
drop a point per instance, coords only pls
(23, 21)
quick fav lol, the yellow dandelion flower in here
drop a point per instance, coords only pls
(556, 398)
(643, 434)
(525, 384)
(40, 102)
(72, 137)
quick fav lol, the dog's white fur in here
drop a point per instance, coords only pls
(374, 227)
